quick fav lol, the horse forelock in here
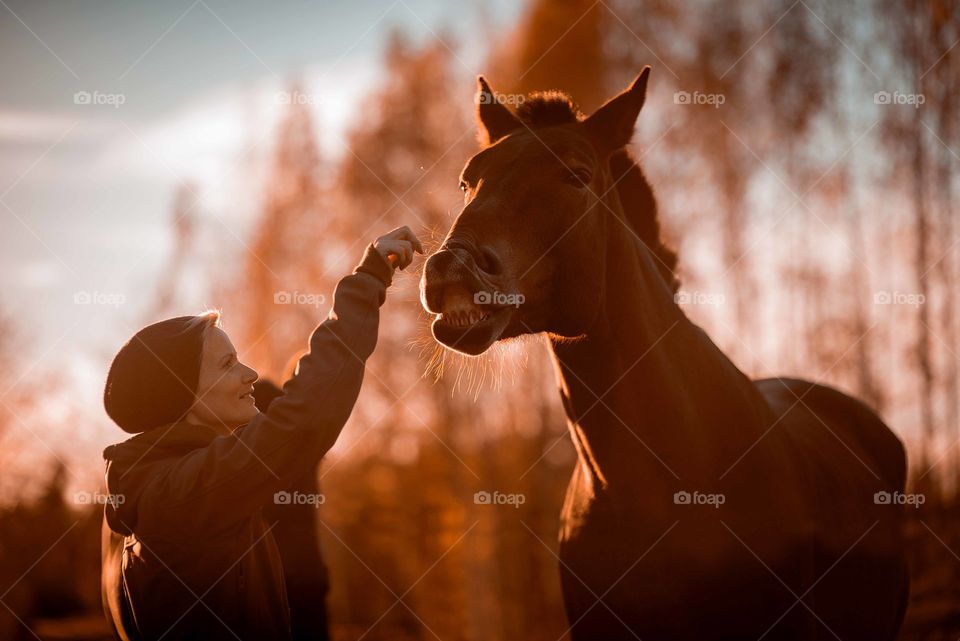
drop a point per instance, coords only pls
(548, 109)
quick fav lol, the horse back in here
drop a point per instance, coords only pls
(825, 425)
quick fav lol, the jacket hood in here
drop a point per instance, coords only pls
(132, 464)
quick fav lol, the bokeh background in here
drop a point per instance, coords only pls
(157, 159)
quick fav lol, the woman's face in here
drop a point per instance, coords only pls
(225, 387)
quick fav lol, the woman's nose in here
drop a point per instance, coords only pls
(251, 376)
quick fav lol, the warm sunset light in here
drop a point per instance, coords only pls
(419, 320)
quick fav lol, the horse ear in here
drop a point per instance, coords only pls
(611, 126)
(495, 120)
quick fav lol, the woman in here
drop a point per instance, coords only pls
(186, 551)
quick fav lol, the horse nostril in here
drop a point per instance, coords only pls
(489, 262)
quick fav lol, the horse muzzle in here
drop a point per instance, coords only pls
(470, 306)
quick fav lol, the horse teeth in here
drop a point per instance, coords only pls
(464, 317)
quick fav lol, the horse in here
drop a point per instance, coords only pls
(703, 504)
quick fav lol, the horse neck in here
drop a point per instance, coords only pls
(649, 398)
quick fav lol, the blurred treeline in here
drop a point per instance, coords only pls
(819, 218)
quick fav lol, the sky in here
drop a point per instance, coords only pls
(108, 106)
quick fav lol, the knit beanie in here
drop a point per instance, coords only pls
(153, 378)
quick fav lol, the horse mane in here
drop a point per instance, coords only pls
(552, 108)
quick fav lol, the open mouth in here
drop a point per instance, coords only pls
(467, 326)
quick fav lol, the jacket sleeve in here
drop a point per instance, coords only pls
(236, 475)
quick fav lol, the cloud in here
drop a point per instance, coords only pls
(48, 128)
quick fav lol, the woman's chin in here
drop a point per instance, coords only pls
(240, 418)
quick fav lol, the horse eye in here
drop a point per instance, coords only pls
(463, 186)
(579, 177)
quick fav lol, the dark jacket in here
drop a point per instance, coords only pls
(297, 534)
(187, 553)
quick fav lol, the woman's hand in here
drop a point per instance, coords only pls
(397, 247)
